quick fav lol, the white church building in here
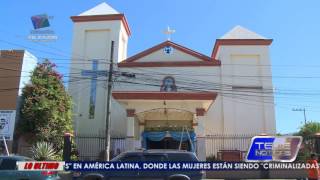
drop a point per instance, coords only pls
(168, 96)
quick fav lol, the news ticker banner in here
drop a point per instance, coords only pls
(281, 150)
(158, 166)
(274, 148)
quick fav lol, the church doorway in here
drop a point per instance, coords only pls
(168, 143)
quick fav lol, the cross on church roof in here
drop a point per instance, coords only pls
(168, 32)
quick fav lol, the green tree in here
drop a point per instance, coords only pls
(309, 129)
(46, 109)
(308, 132)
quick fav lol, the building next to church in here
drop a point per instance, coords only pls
(168, 96)
(15, 68)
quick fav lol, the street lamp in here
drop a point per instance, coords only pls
(304, 113)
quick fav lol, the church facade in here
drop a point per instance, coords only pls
(168, 96)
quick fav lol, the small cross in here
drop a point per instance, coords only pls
(168, 32)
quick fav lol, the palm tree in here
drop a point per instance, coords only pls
(43, 151)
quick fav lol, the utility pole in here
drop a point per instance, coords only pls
(304, 113)
(108, 116)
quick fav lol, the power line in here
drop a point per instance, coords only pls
(81, 57)
(225, 92)
(216, 87)
(72, 60)
(232, 95)
(201, 83)
(199, 87)
(15, 35)
(229, 95)
(219, 75)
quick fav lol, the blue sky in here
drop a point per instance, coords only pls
(294, 26)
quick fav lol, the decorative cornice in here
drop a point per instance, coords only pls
(170, 64)
(119, 95)
(233, 42)
(110, 17)
(168, 43)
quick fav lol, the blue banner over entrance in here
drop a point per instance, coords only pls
(175, 135)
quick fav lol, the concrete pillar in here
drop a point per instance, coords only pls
(141, 130)
(130, 139)
(200, 134)
(67, 146)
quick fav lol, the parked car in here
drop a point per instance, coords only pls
(8, 170)
(148, 156)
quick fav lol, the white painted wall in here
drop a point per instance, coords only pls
(251, 111)
(231, 113)
(244, 68)
(240, 108)
(187, 78)
(161, 56)
(92, 40)
(184, 77)
(29, 62)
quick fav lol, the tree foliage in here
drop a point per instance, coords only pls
(46, 106)
(309, 129)
(308, 132)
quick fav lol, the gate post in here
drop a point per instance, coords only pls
(200, 134)
(67, 147)
(130, 144)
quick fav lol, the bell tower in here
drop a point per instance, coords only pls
(246, 78)
(93, 32)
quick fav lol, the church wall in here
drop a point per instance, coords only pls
(147, 105)
(123, 44)
(207, 77)
(160, 56)
(244, 104)
(214, 118)
(92, 40)
(247, 97)
(187, 78)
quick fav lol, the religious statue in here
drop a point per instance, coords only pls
(168, 84)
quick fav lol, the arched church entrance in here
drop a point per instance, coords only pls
(167, 128)
(155, 120)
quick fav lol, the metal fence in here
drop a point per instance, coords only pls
(219, 142)
(91, 147)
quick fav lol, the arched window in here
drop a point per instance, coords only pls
(168, 84)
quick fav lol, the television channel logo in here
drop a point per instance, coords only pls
(40, 21)
(274, 148)
(42, 30)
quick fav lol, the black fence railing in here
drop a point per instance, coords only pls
(91, 147)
